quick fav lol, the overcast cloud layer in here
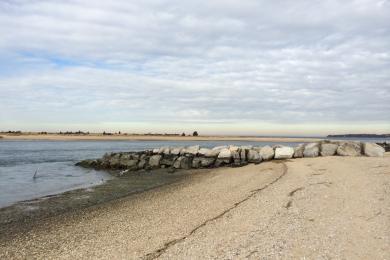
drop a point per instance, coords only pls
(141, 65)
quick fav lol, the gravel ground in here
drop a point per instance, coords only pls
(314, 208)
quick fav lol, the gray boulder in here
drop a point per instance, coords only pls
(284, 152)
(298, 151)
(373, 150)
(183, 162)
(243, 155)
(168, 159)
(207, 162)
(328, 149)
(154, 161)
(311, 150)
(196, 162)
(156, 150)
(267, 152)
(253, 156)
(349, 149)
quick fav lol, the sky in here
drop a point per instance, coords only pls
(248, 67)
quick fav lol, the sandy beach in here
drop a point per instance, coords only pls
(100, 137)
(313, 208)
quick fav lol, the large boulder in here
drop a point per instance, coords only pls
(207, 162)
(191, 150)
(243, 155)
(298, 151)
(284, 152)
(114, 161)
(208, 152)
(267, 153)
(224, 157)
(168, 159)
(311, 150)
(183, 162)
(328, 149)
(373, 150)
(253, 156)
(197, 162)
(349, 149)
(88, 163)
(154, 161)
(225, 154)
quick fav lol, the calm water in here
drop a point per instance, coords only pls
(54, 161)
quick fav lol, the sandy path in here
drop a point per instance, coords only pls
(320, 208)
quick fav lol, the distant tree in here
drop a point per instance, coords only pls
(195, 133)
(119, 132)
(104, 132)
(183, 134)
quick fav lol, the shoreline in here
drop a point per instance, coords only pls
(99, 137)
(254, 205)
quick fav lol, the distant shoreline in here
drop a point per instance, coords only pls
(122, 137)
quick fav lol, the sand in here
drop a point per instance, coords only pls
(311, 208)
(99, 137)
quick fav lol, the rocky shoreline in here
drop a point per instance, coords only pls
(195, 157)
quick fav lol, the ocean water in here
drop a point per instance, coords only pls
(54, 163)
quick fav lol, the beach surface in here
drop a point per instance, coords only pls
(309, 208)
(122, 137)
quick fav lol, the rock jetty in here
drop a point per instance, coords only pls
(194, 157)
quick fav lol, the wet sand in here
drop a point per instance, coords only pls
(313, 208)
(99, 137)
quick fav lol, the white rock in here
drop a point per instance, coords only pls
(311, 150)
(208, 152)
(284, 152)
(246, 147)
(156, 150)
(267, 152)
(373, 150)
(225, 154)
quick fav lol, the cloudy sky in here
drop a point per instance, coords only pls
(218, 66)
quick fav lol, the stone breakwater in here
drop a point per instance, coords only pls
(195, 157)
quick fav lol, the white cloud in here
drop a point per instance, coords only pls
(216, 61)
